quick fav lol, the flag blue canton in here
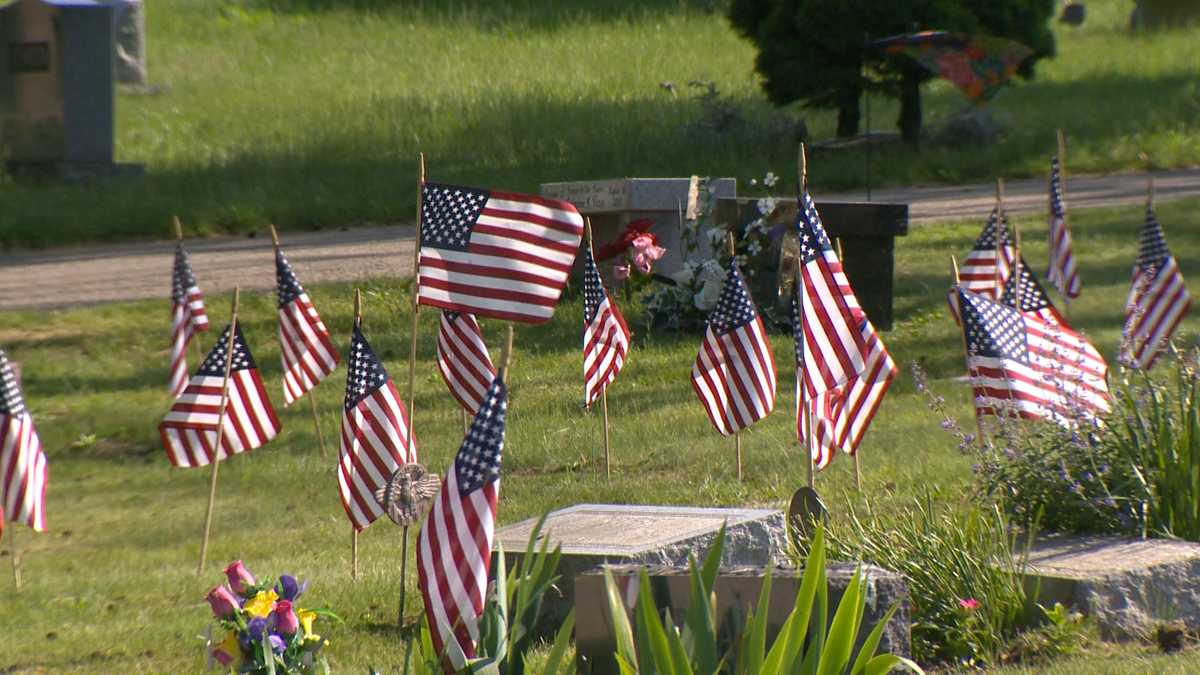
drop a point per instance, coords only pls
(11, 402)
(811, 231)
(997, 226)
(478, 460)
(448, 212)
(734, 308)
(993, 330)
(1033, 297)
(287, 286)
(797, 328)
(1056, 197)
(182, 279)
(364, 372)
(1152, 249)
(214, 363)
(593, 289)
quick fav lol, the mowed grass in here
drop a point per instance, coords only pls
(111, 587)
(312, 112)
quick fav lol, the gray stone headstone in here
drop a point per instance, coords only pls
(129, 24)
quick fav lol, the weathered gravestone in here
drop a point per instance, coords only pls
(613, 204)
(129, 23)
(56, 88)
(736, 590)
(867, 231)
(1125, 585)
(598, 534)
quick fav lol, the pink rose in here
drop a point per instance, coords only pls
(224, 603)
(286, 622)
(645, 252)
(222, 656)
(240, 579)
(969, 604)
(621, 272)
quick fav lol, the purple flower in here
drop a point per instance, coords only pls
(277, 644)
(255, 628)
(289, 588)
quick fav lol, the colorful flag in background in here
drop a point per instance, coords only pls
(189, 431)
(463, 359)
(734, 372)
(304, 345)
(376, 435)
(1158, 299)
(1023, 366)
(187, 318)
(1061, 271)
(455, 546)
(22, 462)
(605, 335)
(496, 254)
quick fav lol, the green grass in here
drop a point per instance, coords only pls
(312, 112)
(111, 586)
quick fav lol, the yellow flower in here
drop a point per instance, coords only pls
(232, 657)
(261, 604)
(307, 617)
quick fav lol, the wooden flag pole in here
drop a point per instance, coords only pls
(16, 558)
(353, 529)
(857, 465)
(1017, 263)
(999, 239)
(416, 307)
(587, 226)
(737, 435)
(966, 352)
(312, 396)
(216, 454)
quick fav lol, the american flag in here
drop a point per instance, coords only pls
(1023, 366)
(983, 271)
(842, 415)
(376, 435)
(1061, 271)
(734, 373)
(189, 431)
(1033, 299)
(187, 318)
(304, 345)
(1158, 299)
(605, 335)
(462, 358)
(496, 254)
(830, 350)
(454, 548)
(22, 462)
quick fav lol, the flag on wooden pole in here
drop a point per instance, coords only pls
(189, 430)
(734, 372)
(1061, 271)
(1023, 292)
(605, 335)
(492, 253)
(1158, 299)
(187, 318)
(307, 351)
(376, 436)
(22, 462)
(463, 359)
(986, 268)
(455, 546)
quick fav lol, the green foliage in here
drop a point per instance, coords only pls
(967, 595)
(1064, 632)
(815, 51)
(807, 643)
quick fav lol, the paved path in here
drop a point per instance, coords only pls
(90, 275)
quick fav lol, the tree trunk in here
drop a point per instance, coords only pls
(910, 106)
(848, 113)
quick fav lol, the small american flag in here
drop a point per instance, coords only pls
(376, 436)
(734, 372)
(496, 254)
(983, 271)
(304, 345)
(22, 462)
(1158, 299)
(605, 335)
(187, 318)
(189, 431)
(1023, 366)
(1061, 271)
(830, 350)
(462, 358)
(454, 548)
(1033, 299)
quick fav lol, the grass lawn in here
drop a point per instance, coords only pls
(111, 586)
(312, 112)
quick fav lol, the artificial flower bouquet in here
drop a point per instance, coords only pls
(265, 630)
